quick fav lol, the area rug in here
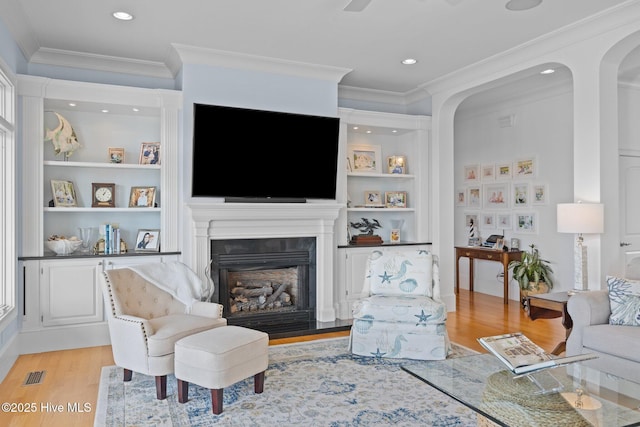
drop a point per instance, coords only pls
(317, 383)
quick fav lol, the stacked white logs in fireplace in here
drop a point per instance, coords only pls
(258, 295)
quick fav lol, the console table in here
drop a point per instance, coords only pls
(487, 254)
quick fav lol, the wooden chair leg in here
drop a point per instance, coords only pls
(258, 382)
(216, 400)
(127, 375)
(161, 387)
(183, 391)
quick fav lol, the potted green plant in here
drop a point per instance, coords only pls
(532, 273)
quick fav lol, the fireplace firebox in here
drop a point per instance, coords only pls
(266, 284)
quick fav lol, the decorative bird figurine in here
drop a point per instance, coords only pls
(366, 226)
(63, 137)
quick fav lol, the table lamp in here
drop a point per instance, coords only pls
(580, 218)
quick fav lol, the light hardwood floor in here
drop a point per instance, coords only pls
(72, 376)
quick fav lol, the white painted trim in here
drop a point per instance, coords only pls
(220, 58)
(8, 356)
(92, 61)
(63, 338)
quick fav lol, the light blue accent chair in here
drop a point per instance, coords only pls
(403, 316)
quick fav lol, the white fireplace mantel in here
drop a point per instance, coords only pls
(214, 221)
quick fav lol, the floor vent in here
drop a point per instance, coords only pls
(33, 378)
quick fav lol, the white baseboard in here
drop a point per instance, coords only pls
(63, 338)
(8, 357)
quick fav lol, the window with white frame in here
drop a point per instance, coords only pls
(7, 193)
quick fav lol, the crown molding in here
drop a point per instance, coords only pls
(382, 96)
(66, 58)
(185, 54)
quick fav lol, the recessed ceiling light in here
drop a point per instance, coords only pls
(355, 128)
(394, 131)
(105, 111)
(123, 16)
(368, 131)
(72, 104)
(548, 71)
(135, 109)
(522, 4)
(409, 61)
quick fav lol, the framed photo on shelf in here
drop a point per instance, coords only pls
(488, 172)
(526, 222)
(539, 194)
(474, 197)
(520, 194)
(503, 171)
(64, 194)
(395, 199)
(148, 240)
(142, 197)
(499, 244)
(149, 153)
(365, 158)
(397, 164)
(525, 168)
(373, 198)
(461, 197)
(116, 155)
(472, 173)
(496, 196)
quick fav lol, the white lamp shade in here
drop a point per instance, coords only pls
(581, 218)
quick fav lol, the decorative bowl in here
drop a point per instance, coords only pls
(63, 246)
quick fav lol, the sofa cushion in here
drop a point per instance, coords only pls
(620, 341)
(406, 273)
(624, 298)
(169, 329)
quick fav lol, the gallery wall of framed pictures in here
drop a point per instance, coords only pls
(503, 196)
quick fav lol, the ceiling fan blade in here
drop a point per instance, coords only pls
(356, 5)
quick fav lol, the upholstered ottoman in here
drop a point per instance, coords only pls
(218, 358)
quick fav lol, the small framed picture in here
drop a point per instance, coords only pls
(395, 199)
(526, 222)
(488, 221)
(365, 158)
(64, 193)
(148, 241)
(461, 197)
(499, 244)
(397, 164)
(149, 153)
(520, 194)
(496, 196)
(525, 168)
(142, 197)
(116, 155)
(503, 171)
(472, 173)
(488, 172)
(539, 194)
(373, 198)
(474, 197)
(503, 221)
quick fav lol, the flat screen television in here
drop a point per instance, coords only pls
(248, 155)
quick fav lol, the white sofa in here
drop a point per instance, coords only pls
(617, 346)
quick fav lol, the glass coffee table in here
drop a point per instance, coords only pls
(573, 395)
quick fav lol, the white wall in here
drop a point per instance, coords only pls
(543, 130)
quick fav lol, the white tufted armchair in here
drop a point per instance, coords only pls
(403, 316)
(145, 321)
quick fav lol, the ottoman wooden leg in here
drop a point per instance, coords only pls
(216, 400)
(258, 382)
(183, 391)
(127, 375)
(161, 387)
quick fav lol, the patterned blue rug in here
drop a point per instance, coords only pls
(317, 383)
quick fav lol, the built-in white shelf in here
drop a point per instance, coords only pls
(72, 164)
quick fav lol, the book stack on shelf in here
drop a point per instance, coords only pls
(110, 242)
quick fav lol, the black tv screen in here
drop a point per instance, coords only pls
(256, 155)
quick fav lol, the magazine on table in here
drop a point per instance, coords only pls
(521, 355)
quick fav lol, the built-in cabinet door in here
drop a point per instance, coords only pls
(70, 293)
(351, 271)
